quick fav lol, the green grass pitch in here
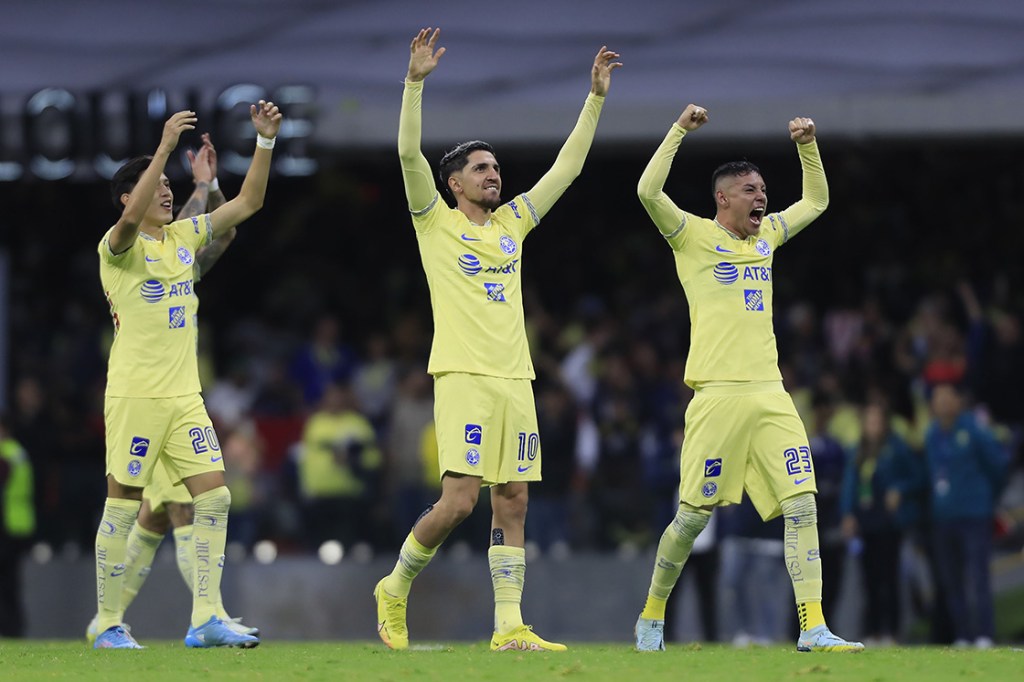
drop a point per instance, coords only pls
(466, 662)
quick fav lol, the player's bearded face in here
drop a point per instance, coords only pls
(481, 180)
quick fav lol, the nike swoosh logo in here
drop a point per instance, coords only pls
(521, 469)
(152, 260)
(216, 459)
(719, 249)
(798, 481)
(467, 238)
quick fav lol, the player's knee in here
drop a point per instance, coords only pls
(460, 506)
(511, 507)
(689, 521)
(179, 514)
(800, 511)
(154, 522)
(212, 504)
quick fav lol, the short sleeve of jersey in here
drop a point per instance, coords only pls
(106, 255)
(427, 219)
(520, 215)
(196, 231)
(775, 230)
(678, 238)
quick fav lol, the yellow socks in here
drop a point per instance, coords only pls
(111, 550)
(810, 615)
(412, 558)
(508, 573)
(673, 551)
(209, 537)
(139, 553)
(183, 553)
(803, 557)
(654, 609)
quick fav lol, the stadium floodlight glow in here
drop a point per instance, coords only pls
(265, 552)
(331, 552)
(41, 553)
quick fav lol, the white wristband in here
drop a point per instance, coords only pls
(265, 142)
(214, 185)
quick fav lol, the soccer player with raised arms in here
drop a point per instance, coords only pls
(742, 431)
(484, 409)
(164, 504)
(153, 410)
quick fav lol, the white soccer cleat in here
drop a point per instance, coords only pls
(822, 639)
(650, 634)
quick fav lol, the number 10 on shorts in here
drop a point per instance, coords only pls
(529, 445)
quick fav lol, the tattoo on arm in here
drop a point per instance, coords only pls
(208, 255)
(215, 200)
(196, 203)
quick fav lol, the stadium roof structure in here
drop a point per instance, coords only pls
(519, 70)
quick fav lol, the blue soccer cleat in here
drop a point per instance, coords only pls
(215, 633)
(822, 639)
(116, 637)
(241, 628)
(650, 634)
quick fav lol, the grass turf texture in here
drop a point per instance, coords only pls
(46, 660)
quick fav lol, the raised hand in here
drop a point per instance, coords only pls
(175, 126)
(200, 163)
(801, 130)
(211, 157)
(693, 117)
(422, 58)
(266, 118)
(601, 73)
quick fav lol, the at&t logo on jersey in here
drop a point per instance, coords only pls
(474, 434)
(495, 291)
(469, 264)
(184, 255)
(753, 299)
(182, 288)
(152, 291)
(472, 457)
(726, 273)
(758, 273)
(712, 467)
(139, 446)
(507, 244)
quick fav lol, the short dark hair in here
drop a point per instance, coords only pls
(126, 176)
(456, 158)
(731, 170)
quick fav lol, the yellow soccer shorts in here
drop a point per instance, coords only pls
(162, 490)
(176, 431)
(486, 427)
(744, 437)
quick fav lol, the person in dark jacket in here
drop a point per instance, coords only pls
(966, 467)
(878, 503)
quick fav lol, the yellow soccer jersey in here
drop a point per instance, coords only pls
(327, 437)
(474, 273)
(153, 303)
(728, 281)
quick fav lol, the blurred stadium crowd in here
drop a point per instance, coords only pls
(315, 329)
